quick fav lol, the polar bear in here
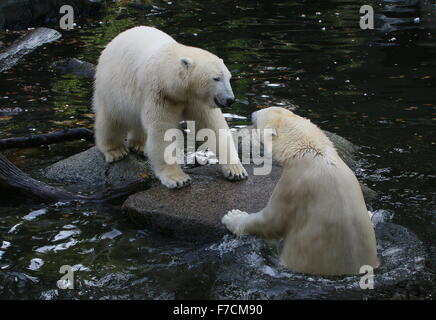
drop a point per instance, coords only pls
(317, 206)
(147, 83)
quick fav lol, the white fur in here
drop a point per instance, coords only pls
(317, 205)
(147, 83)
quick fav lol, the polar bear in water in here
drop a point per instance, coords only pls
(317, 206)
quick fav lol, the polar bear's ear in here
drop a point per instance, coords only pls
(186, 62)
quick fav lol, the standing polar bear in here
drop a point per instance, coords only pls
(317, 205)
(145, 84)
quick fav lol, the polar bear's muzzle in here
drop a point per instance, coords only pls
(224, 102)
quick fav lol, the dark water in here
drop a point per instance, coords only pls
(374, 87)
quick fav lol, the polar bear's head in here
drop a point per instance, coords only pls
(291, 134)
(207, 78)
(273, 118)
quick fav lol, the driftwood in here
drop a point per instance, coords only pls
(47, 138)
(25, 45)
(16, 185)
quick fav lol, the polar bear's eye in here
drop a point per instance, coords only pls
(216, 79)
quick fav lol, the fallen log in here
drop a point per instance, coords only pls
(47, 138)
(16, 185)
(25, 45)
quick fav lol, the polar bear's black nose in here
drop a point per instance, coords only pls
(230, 101)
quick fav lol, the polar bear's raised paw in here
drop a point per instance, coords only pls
(234, 221)
(234, 172)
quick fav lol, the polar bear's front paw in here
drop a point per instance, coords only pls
(234, 221)
(234, 172)
(115, 154)
(138, 148)
(174, 179)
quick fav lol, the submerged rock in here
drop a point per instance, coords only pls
(25, 45)
(89, 171)
(75, 66)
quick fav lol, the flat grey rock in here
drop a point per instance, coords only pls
(196, 210)
(88, 170)
(25, 45)
(199, 207)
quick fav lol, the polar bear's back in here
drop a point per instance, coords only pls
(122, 78)
(331, 232)
(139, 42)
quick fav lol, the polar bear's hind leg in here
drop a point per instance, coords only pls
(109, 137)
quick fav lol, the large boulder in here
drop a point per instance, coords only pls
(198, 208)
(196, 211)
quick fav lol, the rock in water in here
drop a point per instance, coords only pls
(196, 211)
(345, 148)
(25, 45)
(198, 208)
(75, 66)
(88, 171)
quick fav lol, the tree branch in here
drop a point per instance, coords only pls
(47, 138)
(16, 185)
